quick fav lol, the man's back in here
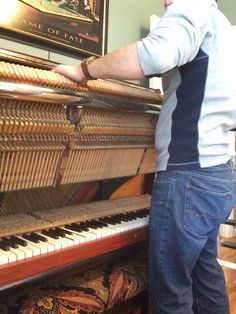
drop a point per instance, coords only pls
(200, 95)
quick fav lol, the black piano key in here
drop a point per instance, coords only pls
(139, 214)
(125, 218)
(143, 213)
(114, 220)
(4, 246)
(61, 232)
(58, 233)
(39, 237)
(19, 241)
(118, 218)
(50, 233)
(99, 224)
(77, 227)
(83, 226)
(108, 220)
(131, 216)
(11, 243)
(102, 223)
(65, 231)
(74, 227)
(30, 238)
(91, 225)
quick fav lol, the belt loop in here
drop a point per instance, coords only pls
(232, 165)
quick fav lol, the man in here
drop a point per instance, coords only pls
(192, 48)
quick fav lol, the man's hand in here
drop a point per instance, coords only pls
(73, 72)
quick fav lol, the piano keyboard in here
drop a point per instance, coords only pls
(23, 246)
(53, 238)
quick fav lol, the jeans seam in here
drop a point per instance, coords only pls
(165, 230)
(208, 192)
(209, 177)
(195, 296)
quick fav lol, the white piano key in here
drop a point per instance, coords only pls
(135, 224)
(65, 242)
(76, 235)
(44, 247)
(10, 256)
(87, 236)
(116, 228)
(96, 232)
(3, 257)
(19, 254)
(75, 238)
(32, 246)
(27, 251)
(109, 230)
(72, 241)
(57, 245)
(142, 221)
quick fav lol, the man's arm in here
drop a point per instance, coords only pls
(121, 64)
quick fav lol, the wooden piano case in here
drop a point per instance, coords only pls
(61, 145)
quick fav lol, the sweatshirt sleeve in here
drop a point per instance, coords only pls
(176, 39)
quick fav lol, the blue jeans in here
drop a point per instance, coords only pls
(186, 212)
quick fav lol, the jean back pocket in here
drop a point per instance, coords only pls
(204, 209)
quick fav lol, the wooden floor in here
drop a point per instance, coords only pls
(229, 255)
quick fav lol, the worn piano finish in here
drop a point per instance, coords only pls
(56, 135)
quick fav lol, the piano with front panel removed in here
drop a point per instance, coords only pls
(58, 142)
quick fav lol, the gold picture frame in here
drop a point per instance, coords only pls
(67, 26)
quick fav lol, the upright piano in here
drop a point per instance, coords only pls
(58, 141)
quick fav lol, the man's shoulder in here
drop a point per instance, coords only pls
(195, 11)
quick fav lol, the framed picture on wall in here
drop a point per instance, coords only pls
(69, 26)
